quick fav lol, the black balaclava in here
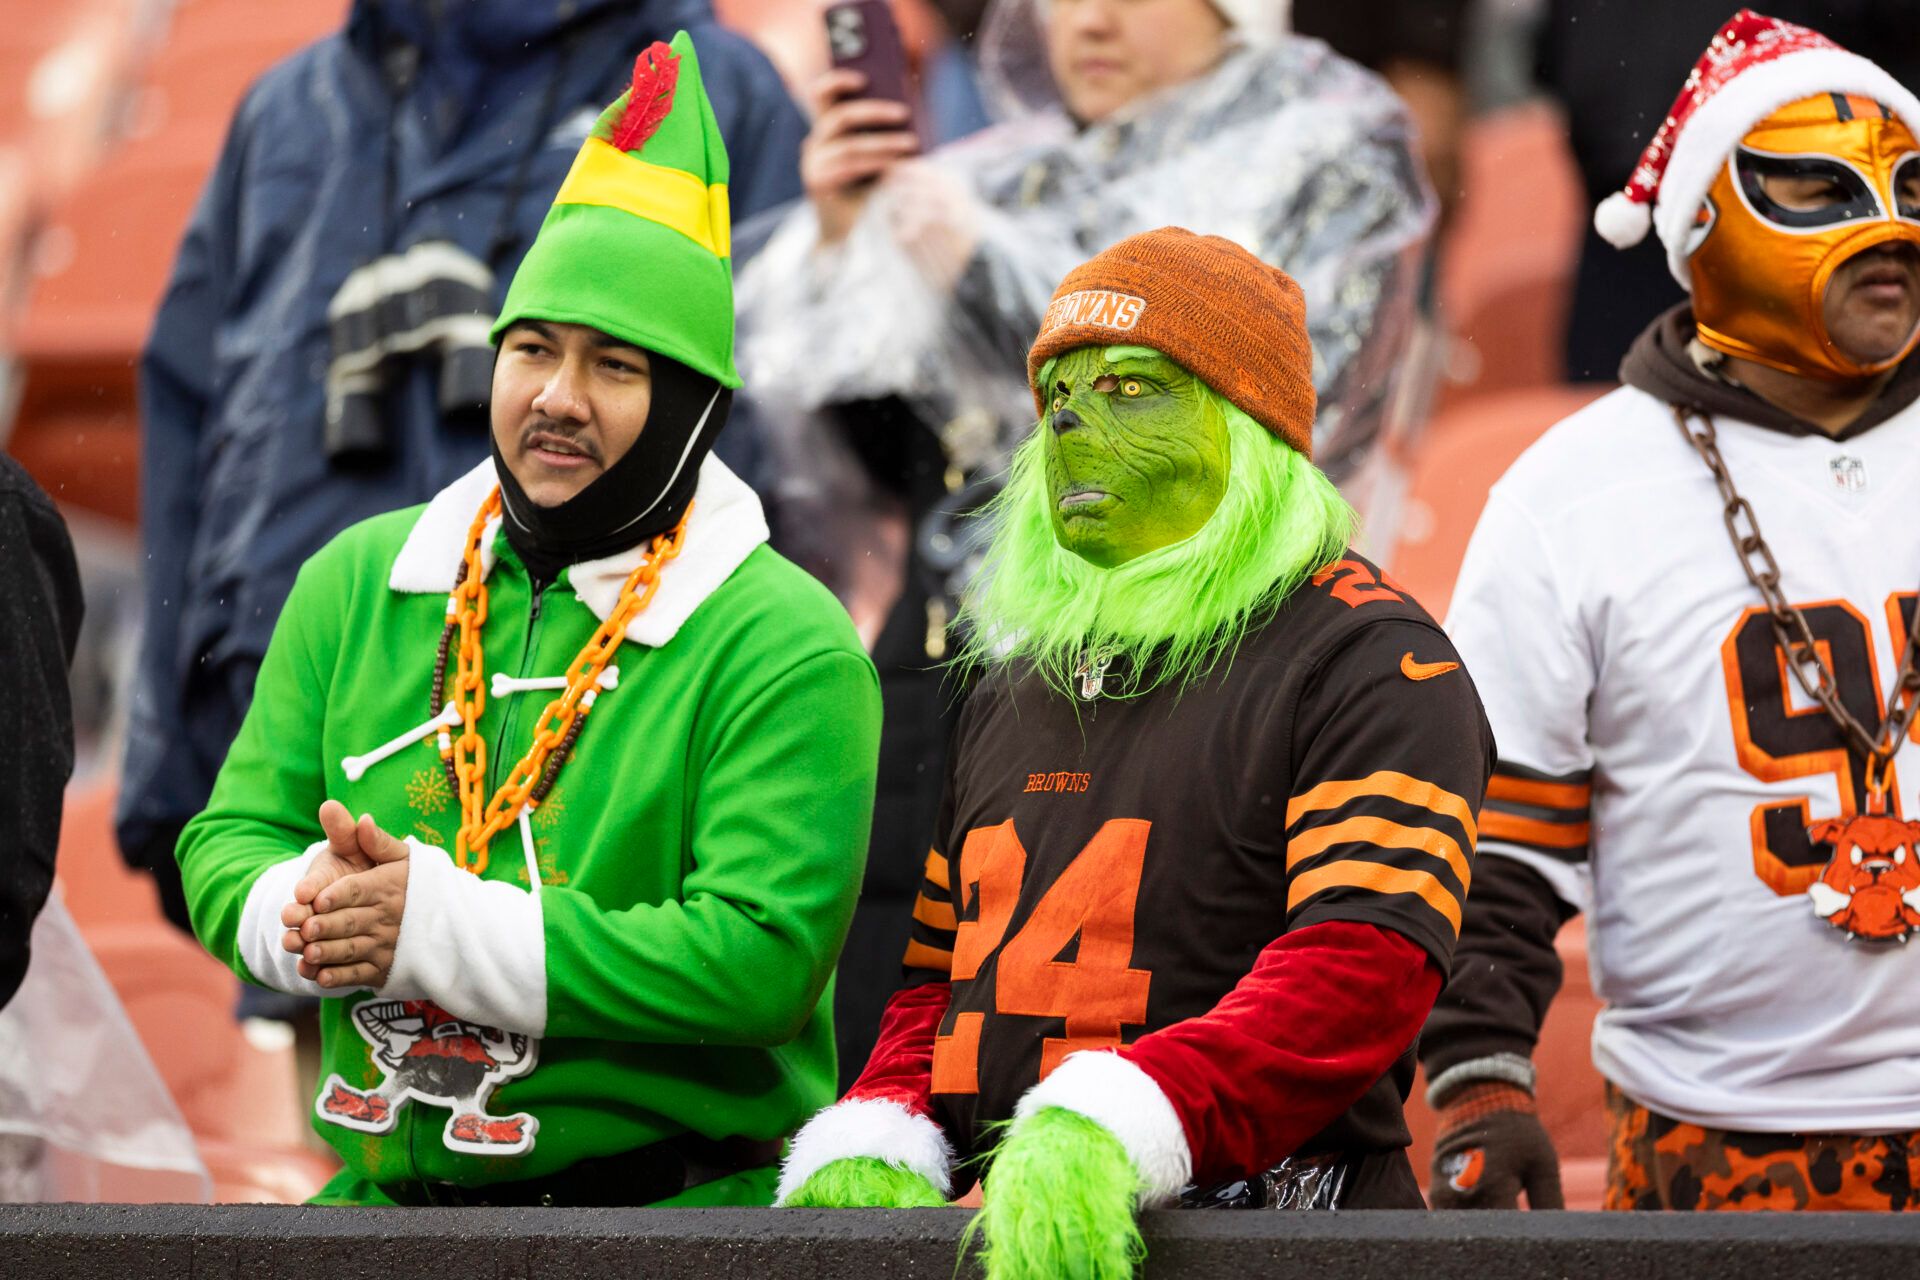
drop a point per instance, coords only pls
(641, 495)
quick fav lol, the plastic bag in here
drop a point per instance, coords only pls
(80, 1100)
(1298, 1182)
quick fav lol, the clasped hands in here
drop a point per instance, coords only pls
(344, 920)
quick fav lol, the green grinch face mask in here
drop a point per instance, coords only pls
(1136, 452)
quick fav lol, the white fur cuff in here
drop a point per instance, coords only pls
(870, 1127)
(1121, 1098)
(477, 948)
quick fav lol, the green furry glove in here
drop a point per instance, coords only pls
(862, 1182)
(1058, 1202)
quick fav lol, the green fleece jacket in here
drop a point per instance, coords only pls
(698, 859)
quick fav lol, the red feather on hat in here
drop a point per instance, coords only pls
(655, 73)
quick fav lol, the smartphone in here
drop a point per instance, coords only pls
(862, 36)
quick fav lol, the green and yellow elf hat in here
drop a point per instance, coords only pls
(638, 242)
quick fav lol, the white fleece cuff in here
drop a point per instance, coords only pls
(261, 928)
(477, 948)
(871, 1127)
(1121, 1098)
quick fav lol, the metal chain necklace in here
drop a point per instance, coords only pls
(559, 726)
(1811, 670)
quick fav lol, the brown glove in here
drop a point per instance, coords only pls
(1490, 1146)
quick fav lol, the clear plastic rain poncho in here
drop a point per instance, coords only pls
(81, 1104)
(934, 297)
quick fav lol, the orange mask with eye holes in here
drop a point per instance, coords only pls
(1760, 269)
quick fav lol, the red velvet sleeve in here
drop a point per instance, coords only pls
(1322, 1015)
(900, 1068)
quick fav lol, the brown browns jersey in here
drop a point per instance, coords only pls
(1106, 867)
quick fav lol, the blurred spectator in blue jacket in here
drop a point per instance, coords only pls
(321, 354)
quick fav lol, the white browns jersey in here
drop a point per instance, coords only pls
(1660, 768)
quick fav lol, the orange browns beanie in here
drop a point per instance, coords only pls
(1231, 320)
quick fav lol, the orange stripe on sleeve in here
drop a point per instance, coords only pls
(1379, 879)
(1394, 786)
(1547, 795)
(1384, 833)
(921, 956)
(937, 914)
(937, 869)
(1549, 835)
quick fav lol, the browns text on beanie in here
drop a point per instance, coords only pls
(1231, 320)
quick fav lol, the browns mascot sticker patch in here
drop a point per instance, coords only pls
(431, 1056)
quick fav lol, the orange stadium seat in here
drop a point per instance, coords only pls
(1469, 445)
(82, 446)
(1507, 274)
(58, 68)
(259, 34)
(120, 229)
(109, 242)
(100, 889)
(245, 1173)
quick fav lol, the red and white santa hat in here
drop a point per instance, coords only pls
(1755, 66)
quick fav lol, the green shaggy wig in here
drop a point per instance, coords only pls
(1172, 613)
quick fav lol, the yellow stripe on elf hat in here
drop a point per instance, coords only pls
(604, 175)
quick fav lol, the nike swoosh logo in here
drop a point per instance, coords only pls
(1424, 670)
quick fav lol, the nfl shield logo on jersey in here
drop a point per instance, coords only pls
(1849, 473)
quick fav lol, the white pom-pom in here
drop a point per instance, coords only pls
(1622, 222)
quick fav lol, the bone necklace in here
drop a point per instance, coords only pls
(558, 729)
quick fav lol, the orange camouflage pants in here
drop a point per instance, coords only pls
(1660, 1163)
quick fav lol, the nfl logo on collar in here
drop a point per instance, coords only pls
(1849, 473)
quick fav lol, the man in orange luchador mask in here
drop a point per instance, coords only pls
(1702, 726)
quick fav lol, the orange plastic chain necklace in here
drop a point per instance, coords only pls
(465, 757)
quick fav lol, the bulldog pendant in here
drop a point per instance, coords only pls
(1871, 886)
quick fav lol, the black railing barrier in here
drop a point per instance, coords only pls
(266, 1242)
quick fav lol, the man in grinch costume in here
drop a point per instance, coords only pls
(568, 963)
(1210, 813)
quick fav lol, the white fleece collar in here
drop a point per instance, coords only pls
(727, 524)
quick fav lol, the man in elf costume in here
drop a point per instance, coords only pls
(1691, 609)
(1210, 813)
(614, 756)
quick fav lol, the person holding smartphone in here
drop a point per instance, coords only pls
(886, 318)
